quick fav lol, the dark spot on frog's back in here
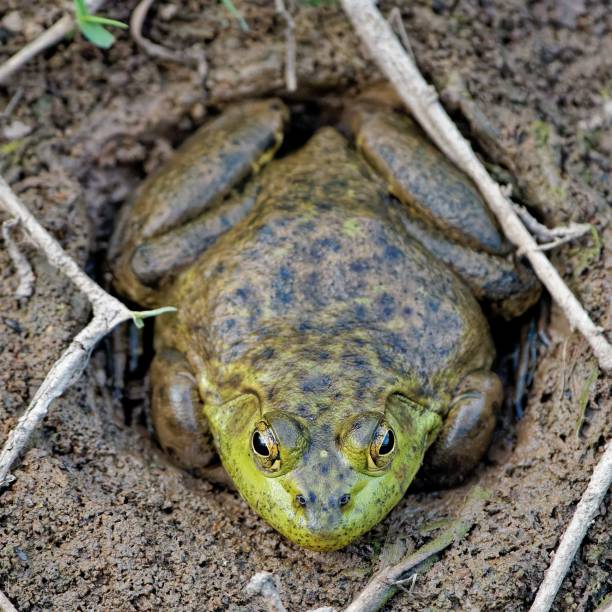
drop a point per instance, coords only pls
(266, 234)
(392, 253)
(316, 383)
(385, 304)
(321, 247)
(282, 286)
(264, 354)
(361, 313)
(433, 304)
(359, 266)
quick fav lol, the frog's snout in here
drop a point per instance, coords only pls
(323, 514)
(309, 501)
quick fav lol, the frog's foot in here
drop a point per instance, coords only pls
(442, 209)
(178, 416)
(182, 209)
(467, 430)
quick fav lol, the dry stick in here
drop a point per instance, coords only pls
(22, 265)
(387, 581)
(47, 39)
(551, 238)
(422, 102)
(194, 57)
(5, 604)
(107, 313)
(586, 510)
(290, 47)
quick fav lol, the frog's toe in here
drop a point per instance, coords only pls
(467, 430)
(193, 187)
(177, 412)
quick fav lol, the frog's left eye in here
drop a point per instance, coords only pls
(382, 447)
(265, 447)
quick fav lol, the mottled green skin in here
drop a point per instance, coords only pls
(312, 301)
(316, 309)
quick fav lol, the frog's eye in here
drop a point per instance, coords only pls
(382, 447)
(265, 447)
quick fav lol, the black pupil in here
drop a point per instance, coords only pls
(387, 444)
(259, 446)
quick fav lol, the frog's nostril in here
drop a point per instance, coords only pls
(301, 500)
(344, 499)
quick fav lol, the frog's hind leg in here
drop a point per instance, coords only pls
(466, 432)
(178, 417)
(182, 209)
(442, 209)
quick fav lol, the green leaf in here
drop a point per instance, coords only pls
(80, 9)
(104, 21)
(97, 34)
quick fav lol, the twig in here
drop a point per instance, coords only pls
(195, 57)
(47, 39)
(5, 604)
(12, 104)
(388, 580)
(22, 265)
(421, 100)
(551, 238)
(395, 21)
(570, 542)
(263, 585)
(290, 47)
(107, 313)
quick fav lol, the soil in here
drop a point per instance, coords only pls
(97, 518)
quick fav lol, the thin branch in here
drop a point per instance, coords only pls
(290, 46)
(387, 581)
(195, 57)
(395, 21)
(22, 265)
(12, 104)
(587, 509)
(107, 313)
(5, 604)
(421, 100)
(551, 238)
(50, 37)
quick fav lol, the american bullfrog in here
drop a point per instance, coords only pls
(327, 341)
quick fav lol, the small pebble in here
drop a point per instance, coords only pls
(16, 129)
(168, 11)
(13, 22)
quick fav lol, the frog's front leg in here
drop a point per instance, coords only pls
(177, 412)
(466, 432)
(442, 209)
(182, 209)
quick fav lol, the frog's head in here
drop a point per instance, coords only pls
(323, 481)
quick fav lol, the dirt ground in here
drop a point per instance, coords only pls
(97, 518)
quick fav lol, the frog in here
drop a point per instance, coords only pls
(330, 342)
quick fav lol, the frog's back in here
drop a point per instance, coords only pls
(320, 263)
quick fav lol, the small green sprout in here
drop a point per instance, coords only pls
(139, 315)
(232, 10)
(92, 26)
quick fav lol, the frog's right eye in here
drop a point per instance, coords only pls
(266, 448)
